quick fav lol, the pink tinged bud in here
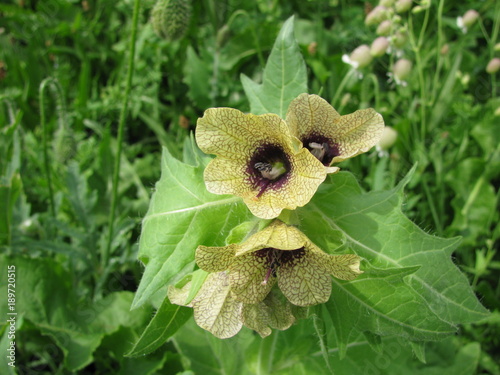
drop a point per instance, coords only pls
(403, 6)
(493, 66)
(361, 56)
(389, 137)
(379, 46)
(377, 15)
(402, 69)
(384, 29)
(469, 18)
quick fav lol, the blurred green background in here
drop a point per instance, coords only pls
(63, 68)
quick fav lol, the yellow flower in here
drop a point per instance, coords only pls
(279, 253)
(217, 311)
(329, 136)
(258, 160)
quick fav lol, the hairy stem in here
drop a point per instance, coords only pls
(121, 126)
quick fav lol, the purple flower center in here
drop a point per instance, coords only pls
(275, 258)
(269, 168)
(323, 148)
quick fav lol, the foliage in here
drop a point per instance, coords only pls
(442, 173)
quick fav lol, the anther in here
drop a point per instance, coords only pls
(319, 149)
(270, 171)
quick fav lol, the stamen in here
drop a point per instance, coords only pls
(274, 259)
(319, 150)
(263, 167)
(268, 274)
(270, 171)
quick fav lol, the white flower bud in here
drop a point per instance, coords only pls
(389, 137)
(379, 46)
(377, 15)
(470, 17)
(402, 69)
(361, 56)
(384, 29)
(403, 6)
(493, 66)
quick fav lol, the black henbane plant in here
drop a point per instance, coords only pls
(267, 251)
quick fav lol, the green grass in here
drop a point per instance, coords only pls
(75, 94)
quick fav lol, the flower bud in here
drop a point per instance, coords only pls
(379, 46)
(497, 112)
(170, 18)
(361, 56)
(497, 47)
(377, 15)
(312, 48)
(399, 39)
(402, 69)
(403, 6)
(384, 29)
(465, 79)
(417, 9)
(444, 50)
(470, 17)
(493, 66)
(389, 137)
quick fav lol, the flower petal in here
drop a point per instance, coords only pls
(343, 267)
(310, 114)
(256, 317)
(215, 259)
(304, 282)
(226, 176)
(179, 296)
(235, 135)
(280, 312)
(276, 235)
(215, 309)
(270, 313)
(356, 133)
(247, 274)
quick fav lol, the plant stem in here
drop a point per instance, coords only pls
(417, 49)
(121, 126)
(439, 57)
(48, 176)
(432, 206)
(340, 88)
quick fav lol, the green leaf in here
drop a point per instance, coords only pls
(182, 215)
(410, 286)
(45, 294)
(285, 76)
(167, 320)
